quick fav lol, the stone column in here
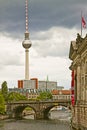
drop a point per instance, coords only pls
(78, 82)
(39, 115)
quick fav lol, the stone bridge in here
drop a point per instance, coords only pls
(41, 108)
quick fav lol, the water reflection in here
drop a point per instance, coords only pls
(31, 124)
(28, 117)
(62, 115)
(28, 113)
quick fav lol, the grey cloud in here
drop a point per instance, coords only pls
(53, 42)
(8, 59)
(43, 14)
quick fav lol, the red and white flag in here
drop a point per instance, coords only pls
(83, 22)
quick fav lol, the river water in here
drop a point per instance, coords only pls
(59, 120)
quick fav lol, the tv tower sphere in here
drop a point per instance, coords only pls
(26, 43)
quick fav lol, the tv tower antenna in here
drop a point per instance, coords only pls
(26, 43)
(26, 14)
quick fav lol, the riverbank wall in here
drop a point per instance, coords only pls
(3, 117)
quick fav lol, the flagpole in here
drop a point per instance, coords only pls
(81, 23)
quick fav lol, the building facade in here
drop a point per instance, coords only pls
(28, 84)
(32, 88)
(78, 55)
(35, 84)
(61, 94)
(47, 85)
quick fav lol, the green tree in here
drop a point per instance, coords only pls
(2, 104)
(14, 96)
(45, 95)
(4, 90)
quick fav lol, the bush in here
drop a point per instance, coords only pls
(14, 96)
(45, 95)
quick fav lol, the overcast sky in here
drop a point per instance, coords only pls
(53, 24)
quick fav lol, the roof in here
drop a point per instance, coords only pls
(61, 92)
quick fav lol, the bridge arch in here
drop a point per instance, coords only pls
(19, 110)
(47, 110)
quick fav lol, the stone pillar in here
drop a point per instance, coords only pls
(10, 111)
(78, 82)
(39, 115)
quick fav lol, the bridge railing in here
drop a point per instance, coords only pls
(40, 101)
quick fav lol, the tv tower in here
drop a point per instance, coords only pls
(26, 43)
(27, 82)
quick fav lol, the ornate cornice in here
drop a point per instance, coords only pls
(73, 50)
(79, 39)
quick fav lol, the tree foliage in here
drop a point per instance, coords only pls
(2, 104)
(4, 90)
(14, 96)
(45, 95)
